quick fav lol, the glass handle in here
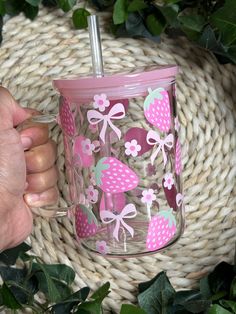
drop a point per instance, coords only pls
(51, 210)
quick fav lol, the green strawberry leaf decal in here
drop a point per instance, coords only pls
(90, 215)
(156, 94)
(98, 170)
(168, 215)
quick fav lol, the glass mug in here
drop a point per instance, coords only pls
(123, 160)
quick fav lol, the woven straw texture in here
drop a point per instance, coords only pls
(33, 53)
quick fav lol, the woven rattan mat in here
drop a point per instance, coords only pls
(33, 53)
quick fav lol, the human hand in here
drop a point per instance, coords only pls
(28, 174)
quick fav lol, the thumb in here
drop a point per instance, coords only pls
(11, 114)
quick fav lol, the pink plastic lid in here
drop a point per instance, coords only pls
(131, 83)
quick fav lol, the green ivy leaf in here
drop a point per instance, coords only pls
(204, 288)
(30, 11)
(120, 11)
(10, 256)
(172, 1)
(68, 304)
(79, 18)
(90, 307)
(217, 309)
(233, 289)
(21, 287)
(232, 54)
(134, 27)
(34, 3)
(102, 292)
(191, 300)
(231, 305)
(192, 22)
(225, 20)
(13, 7)
(221, 277)
(155, 24)
(49, 3)
(137, 5)
(183, 296)
(58, 272)
(46, 283)
(131, 309)
(170, 13)
(66, 5)
(8, 298)
(102, 4)
(2, 7)
(197, 306)
(95, 305)
(209, 41)
(157, 295)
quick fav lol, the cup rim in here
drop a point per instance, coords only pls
(129, 77)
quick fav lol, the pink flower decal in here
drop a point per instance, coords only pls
(148, 198)
(168, 181)
(101, 102)
(87, 147)
(132, 148)
(92, 194)
(101, 247)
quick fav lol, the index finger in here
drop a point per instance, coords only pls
(11, 114)
(38, 132)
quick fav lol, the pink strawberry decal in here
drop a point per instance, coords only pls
(157, 109)
(66, 118)
(161, 230)
(85, 222)
(112, 176)
(178, 163)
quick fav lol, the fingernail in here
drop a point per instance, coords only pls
(26, 142)
(31, 199)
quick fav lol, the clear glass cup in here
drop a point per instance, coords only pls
(123, 160)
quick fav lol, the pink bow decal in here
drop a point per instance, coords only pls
(153, 138)
(129, 211)
(117, 112)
